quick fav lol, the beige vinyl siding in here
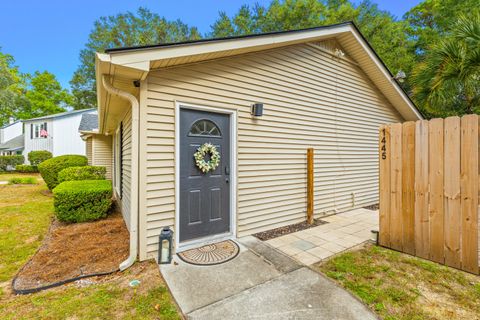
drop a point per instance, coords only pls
(124, 200)
(102, 153)
(88, 149)
(311, 99)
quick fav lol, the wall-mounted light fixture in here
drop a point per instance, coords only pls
(257, 109)
(400, 76)
(339, 53)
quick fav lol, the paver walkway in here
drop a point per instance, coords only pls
(343, 231)
(260, 283)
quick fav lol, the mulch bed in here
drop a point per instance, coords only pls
(277, 232)
(73, 250)
(372, 207)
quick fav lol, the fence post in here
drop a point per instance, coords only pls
(384, 153)
(310, 185)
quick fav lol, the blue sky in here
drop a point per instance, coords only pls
(48, 34)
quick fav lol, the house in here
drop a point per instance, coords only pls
(98, 147)
(261, 100)
(56, 133)
(11, 138)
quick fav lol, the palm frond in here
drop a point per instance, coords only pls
(447, 81)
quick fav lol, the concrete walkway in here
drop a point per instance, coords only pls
(260, 283)
(343, 231)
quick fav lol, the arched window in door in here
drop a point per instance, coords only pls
(204, 128)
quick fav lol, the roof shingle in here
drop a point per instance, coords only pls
(13, 144)
(89, 122)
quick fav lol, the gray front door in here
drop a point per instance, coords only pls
(204, 197)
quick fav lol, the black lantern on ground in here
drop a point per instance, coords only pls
(257, 109)
(165, 244)
(375, 234)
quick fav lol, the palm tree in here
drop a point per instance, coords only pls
(447, 82)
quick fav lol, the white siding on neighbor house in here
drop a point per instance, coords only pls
(66, 139)
(35, 144)
(311, 99)
(124, 198)
(63, 136)
(8, 132)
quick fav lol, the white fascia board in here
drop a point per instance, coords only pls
(94, 131)
(141, 65)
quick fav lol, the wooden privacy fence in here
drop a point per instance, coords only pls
(429, 190)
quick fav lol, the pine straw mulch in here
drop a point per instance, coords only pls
(73, 250)
(278, 232)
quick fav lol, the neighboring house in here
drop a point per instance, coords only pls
(11, 138)
(12, 147)
(321, 87)
(56, 133)
(98, 147)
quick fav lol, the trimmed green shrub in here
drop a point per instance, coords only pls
(23, 180)
(82, 173)
(50, 168)
(10, 161)
(37, 157)
(26, 168)
(83, 200)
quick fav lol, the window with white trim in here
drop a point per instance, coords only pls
(38, 130)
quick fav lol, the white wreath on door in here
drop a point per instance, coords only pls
(202, 151)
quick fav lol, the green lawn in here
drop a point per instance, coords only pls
(399, 286)
(112, 299)
(23, 180)
(25, 215)
(10, 175)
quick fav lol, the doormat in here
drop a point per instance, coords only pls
(211, 254)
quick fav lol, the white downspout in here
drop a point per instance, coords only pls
(134, 183)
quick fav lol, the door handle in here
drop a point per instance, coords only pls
(227, 170)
